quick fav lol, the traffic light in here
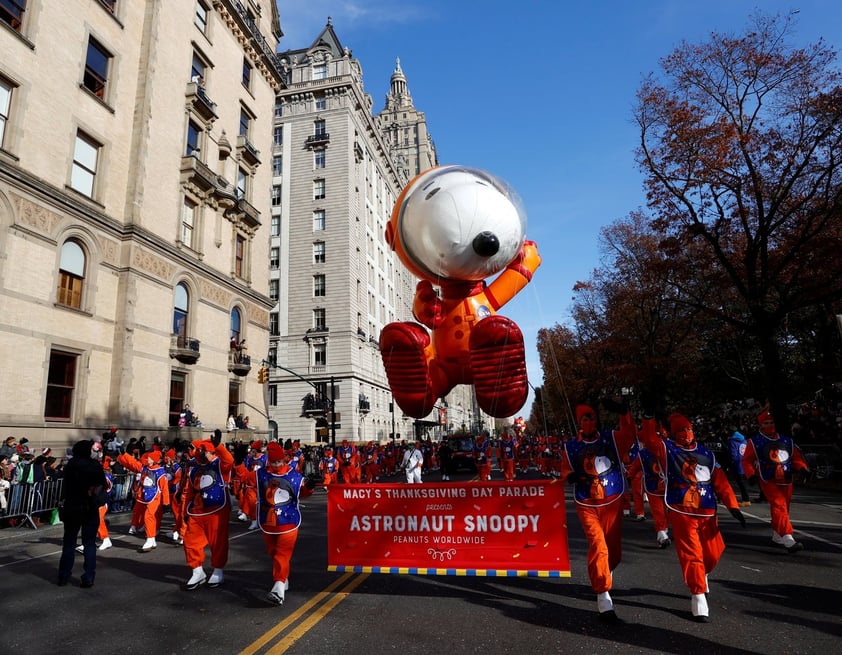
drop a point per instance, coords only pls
(262, 375)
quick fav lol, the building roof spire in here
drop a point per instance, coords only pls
(399, 90)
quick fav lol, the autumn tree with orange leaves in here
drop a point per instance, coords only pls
(728, 285)
(741, 146)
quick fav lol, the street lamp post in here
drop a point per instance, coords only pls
(392, 409)
(331, 402)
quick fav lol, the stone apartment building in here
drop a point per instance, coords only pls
(135, 164)
(338, 170)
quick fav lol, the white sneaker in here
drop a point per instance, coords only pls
(197, 579)
(276, 594)
(663, 539)
(216, 578)
(80, 549)
(792, 546)
(777, 539)
(253, 525)
(148, 545)
(106, 544)
(604, 602)
(242, 517)
(699, 607)
(132, 529)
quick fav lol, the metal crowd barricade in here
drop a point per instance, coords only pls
(27, 499)
(121, 498)
(824, 460)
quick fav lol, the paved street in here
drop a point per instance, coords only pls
(762, 600)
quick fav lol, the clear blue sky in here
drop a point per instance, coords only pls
(539, 92)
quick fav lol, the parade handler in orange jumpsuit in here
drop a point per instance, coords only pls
(593, 465)
(482, 457)
(152, 492)
(694, 481)
(245, 475)
(329, 467)
(279, 488)
(506, 455)
(654, 483)
(773, 458)
(173, 475)
(207, 508)
(102, 530)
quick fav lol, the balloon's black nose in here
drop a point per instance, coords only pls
(486, 244)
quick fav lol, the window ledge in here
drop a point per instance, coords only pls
(112, 14)
(189, 249)
(74, 310)
(8, 156)
(97, 98)
(82, 196)
(20, 36)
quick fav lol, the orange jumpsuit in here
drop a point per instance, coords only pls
(653, 481)
(773, 460)
(389, 460)
(152, 491)
(279, 490)
(523, 453)
(207, 506)
(173, 475)
(349, 463)
(694, 481)
(328, 467)
(506, 457)
(482, 455)
(594, 461)
(634, 476)
(102, 530)
(247, 499)
(371, 463)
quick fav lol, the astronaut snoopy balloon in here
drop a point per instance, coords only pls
(453, 227)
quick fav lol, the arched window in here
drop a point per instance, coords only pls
(180, 310)
(71, 275)
(235, 325)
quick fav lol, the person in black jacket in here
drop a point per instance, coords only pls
(445, 457)
(84, 484)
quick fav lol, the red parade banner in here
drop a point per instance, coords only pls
(471, 529)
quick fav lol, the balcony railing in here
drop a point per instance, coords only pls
(247, 151)
(203, 105)
(314, 406)
(184, 349)
(318, 139)
(259, 40)
(250, 213)
(238, 363)
(361, 334)
(197, 172)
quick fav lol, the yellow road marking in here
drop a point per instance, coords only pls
(261, 641)
(315, 617)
